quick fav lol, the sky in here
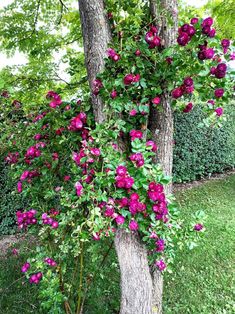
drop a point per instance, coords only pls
(20, 58)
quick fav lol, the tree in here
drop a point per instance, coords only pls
(164, 13)
(117, 184)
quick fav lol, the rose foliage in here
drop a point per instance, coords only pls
(85, 179)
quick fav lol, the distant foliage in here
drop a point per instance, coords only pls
(10, 201)
(200, 152)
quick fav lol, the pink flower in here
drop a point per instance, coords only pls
(19, 186)
(113, 94)
(136, 134)
(25, 267)
(131, 78)
(55, 224)
(96, 86)
(211, 101)
(219, 92)
(120, 220)
(160, 265)
(134, 197)
(160, 245)
(24, 175)
(207, 22)
(95, 151)
(96, 236)
(133, 225)
(156, 100)
(153, 235)
(152, 144)
(109, 211)
(129, 181)
(194, 20)
(121, 170)
(67, 178)
(225, 43)
(79, 188)
(138, 159)
(219, 111)
(50, 262)
(177, 93)
(137, 52)
(133, 112)
(188, 108)
(112, 54)
(35, 278)
(198, 227)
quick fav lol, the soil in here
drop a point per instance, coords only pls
(7, 242)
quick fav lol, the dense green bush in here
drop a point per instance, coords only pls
(199, 152)
(10, 201)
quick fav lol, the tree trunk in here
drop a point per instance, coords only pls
(161, 122)
(136, 282)
(96, 36)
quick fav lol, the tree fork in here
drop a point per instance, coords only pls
(136, 282)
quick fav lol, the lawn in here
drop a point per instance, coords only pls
(203, 278)
(203, 282)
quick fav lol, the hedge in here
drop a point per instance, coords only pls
(202, 151)
(10, 201)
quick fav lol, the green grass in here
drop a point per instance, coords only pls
(16, 295)
(201, 284)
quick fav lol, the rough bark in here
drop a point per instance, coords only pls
(96, 36)
(136, 282)
(161, 121)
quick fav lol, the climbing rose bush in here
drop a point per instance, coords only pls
(83, 185)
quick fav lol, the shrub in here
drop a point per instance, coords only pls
(199, 152)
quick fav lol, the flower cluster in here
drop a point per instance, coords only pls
(186, 33)
(205, 52)
(225, 43)
(55, 99)
(134, 134)
(123, 179)
(219, 71)
(49, 261)
(12, 158)
(157, 195)
(77, 123)
(47, 220)
(32, 152)
(113, 55)
(206, 27)
(96, 86)
(131, 78)
(186, 88)
(35, 278)
(26, 218)
(161, 265)
(137, 159)
(151, 37)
